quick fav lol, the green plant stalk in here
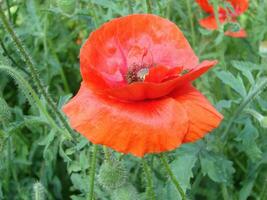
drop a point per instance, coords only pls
(242, 106)
(9, 159)
(217, 16)
(92, 173)
(106, 153)
(263, 193)
(130, 6)
(93, 13)
(10, 57)
(36, 79)
(149, 6)
(191, 17)
(224, 192)
(168, 10)
(33, 97)
(172, 176)
(8, 10)
(149, 187)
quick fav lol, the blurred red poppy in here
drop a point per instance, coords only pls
(136, 96)
(226, 14)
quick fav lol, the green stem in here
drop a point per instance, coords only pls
(149, 187)
(168, 10)
(149, 6)
(31, 96)
(224, 192)
(172, 176)
(8, 10)
(35, 76)
(10, 57)
(191, 18)
(9, 159)
(93, 13)
(263, 193)
(216, 13)
(130, 6)
(242, 106)
(107, 153)
(92, 173)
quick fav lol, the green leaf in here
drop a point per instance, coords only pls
(80, 182)
(235, 83)
(243, 68)
(248, 137)
(217, 167)
(182, 166)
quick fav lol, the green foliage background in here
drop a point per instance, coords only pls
(39, 160)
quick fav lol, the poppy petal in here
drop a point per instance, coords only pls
(210, 22)
(205, 5)
(160, 73)
(203, 117)
(239, 34)
(240, 6)
(137, 128)
(108, 49)
(148, 90)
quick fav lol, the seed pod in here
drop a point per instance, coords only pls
(232, 26)
(127, 192)
(38, 191)
(112, 175)
(67, 6)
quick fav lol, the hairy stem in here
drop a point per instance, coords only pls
(149, 187)
(242, 106)
(33, 71)
(172, 176)
(189, 11)
(92, 173)
(31, 95)
(149, 6)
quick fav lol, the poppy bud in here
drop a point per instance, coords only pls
(5, 113)
(67, 6)
(112, 175)
(127, 192)
(232, 26)
(38, 191)
(263, 49)
(261, 119)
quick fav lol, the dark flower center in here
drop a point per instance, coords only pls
(137, 73)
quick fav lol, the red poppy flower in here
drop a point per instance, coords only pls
(226, 15)
(136, 95)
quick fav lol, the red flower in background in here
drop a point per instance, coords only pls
(226, 15)
(136, 95)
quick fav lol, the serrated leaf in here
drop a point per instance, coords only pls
(217, 167)
(242, 67)
(235, 83)
(182, 167)
(80, 182)
(248, 136)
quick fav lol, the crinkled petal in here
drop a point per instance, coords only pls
(205, 5)
(148, 90)
(210, 22)
(240, 6)
(137, 128)
(203, 117)
(108, 49)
